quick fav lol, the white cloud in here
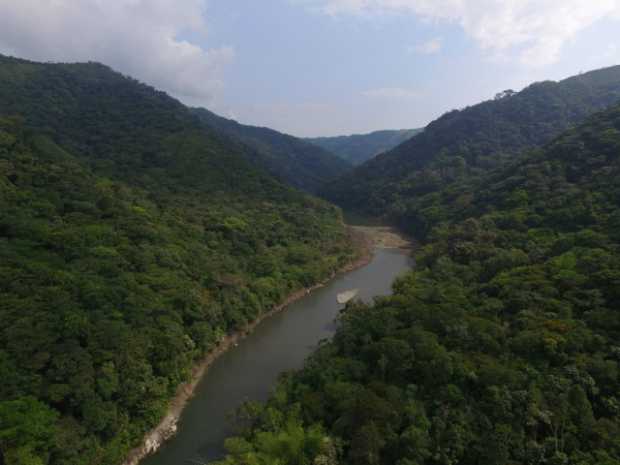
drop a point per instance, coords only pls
(136, 37)
(391, 93)
(430, 47)
(535, 30)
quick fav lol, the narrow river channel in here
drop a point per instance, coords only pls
(280, 343)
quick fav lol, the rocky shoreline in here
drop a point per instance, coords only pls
(363, 241)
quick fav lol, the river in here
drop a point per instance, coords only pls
(280, 343)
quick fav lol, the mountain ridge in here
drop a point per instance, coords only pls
(294, 160)
(471, 141)
(50, 94)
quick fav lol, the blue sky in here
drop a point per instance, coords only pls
(314, 74)
(323, 67)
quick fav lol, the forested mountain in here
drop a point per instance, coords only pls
(501, 347)
(295, 161)
(359, 148)
(472, 141)
(132, 239)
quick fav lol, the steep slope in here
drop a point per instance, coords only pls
(121, 127)
(132, 239)
(472, 141)
(359, 148)
(85, 99)
(295, 161)
(500, 348)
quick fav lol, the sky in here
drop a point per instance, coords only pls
(322, 67)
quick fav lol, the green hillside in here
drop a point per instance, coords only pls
(294, 161)
(132, 239)
(500, 348)
(472, 141)
(359, 148)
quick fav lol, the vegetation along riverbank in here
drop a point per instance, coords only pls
(364, 240)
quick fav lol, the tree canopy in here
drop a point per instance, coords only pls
(470, 142)
(296, 162)
(132, 239)
(501, 347)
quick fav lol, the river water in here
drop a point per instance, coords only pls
(250, 370)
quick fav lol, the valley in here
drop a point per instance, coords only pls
(248, 366)
(169, 280)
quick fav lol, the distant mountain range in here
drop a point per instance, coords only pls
(359, 148)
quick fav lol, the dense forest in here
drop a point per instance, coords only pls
(470, 142)
(501, 347)
(135, 233)
(80, 104)
(294, 161)
(132, 239)
(359, 148)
